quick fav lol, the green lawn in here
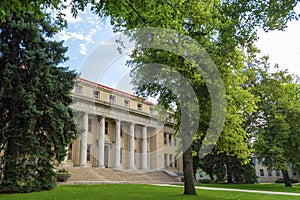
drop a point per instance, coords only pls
(261, 186)
(141, 192)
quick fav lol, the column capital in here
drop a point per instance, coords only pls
(118, 120)
(99, 117)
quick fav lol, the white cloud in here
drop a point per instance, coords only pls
(83, 49)
(89, 36)
(63, 35)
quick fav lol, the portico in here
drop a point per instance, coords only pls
(119, 131)
(119, 144)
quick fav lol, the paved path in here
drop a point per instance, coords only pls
(236, 190)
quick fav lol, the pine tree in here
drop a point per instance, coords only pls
(36, 121)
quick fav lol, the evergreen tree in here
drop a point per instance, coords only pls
(36, 121)
(223, 167)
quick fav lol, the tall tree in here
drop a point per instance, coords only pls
(275, 124)
(36, 121)
(227, 168)
(223, 28)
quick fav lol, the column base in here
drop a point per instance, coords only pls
(133, 168)
(119, 167)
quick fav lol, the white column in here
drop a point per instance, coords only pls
(144, 148)
(101, 139)
(117, 145)
(131, 147)
(83, 141)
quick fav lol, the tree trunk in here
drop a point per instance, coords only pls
(189, 186)
(211, 176)
(286, 178)
(187, 138)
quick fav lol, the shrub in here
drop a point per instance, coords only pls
(204, 181)
(281, 180)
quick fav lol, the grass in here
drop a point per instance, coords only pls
(141, 192)
(265, 187)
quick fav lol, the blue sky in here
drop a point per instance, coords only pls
(89, 40)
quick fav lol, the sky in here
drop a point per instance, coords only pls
(92, 49)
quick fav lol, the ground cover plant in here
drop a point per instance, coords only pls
(125, 191)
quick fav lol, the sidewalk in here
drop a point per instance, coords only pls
(236, 190)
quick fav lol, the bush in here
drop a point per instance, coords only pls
(204, 181)
(281, 180)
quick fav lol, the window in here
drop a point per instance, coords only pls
(126, 103)
(112, 99)
(166, 160)
(90, 123)
(169, 118)
(106, 128)
(277, 172)
(121, 130)
(262, 173)
(140, 106)
(175, 162)
(88, 156)
(78, 89)
(171, 160)
(175, 141)
(294, 173)
(165, 139)
(269, 172)
(170, 139)
(96, 94)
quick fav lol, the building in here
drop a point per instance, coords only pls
(264, 175)
(268, 175)
(120, 131)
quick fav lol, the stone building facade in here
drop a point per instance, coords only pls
(119, 130)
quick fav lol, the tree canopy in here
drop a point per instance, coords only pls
(225, 29)
(274, 125)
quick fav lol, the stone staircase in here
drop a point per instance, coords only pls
(89, 175)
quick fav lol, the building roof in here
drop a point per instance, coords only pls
(113, 90)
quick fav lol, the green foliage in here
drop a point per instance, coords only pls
(222, 168)
(281, 180)
(225, 29)
(205, 181)
(36, 122)
(53, 10)
(63, 171)
(274, 126)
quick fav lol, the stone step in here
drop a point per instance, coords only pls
(90, 174)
